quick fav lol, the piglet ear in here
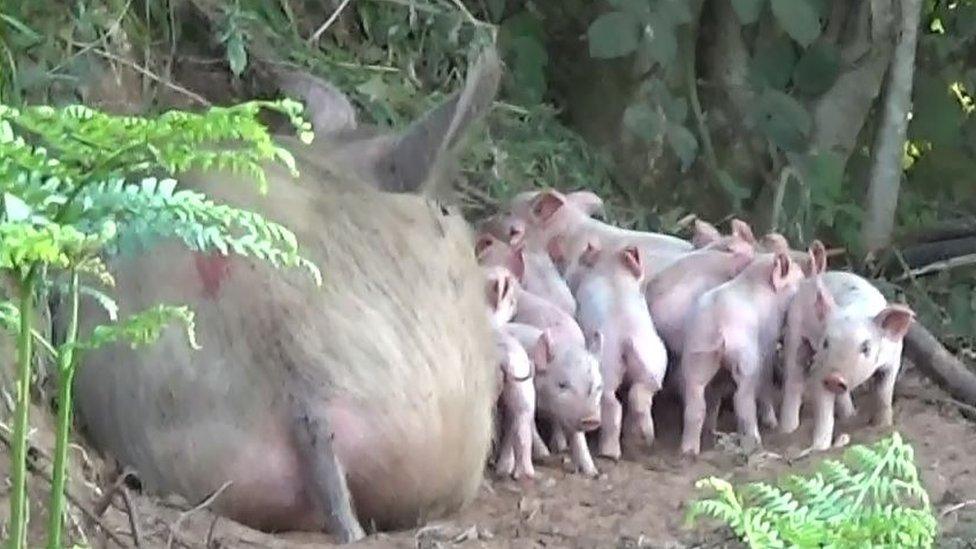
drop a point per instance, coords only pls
(541, 353)
(775, 242)
(704, 234)
(591, 253)
(894, 321)
(547, 203)
(594, 343)
(823, 302)
(516, 262)
(482, 244)
(586, 201)
(781, 271)
(817, 259)
(631, 257)
(742, 229)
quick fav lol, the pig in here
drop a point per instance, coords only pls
(736, 326)
(848, 333)
(612, 307)
(516, 391)
(568, 385)
(367, 399)
(550, 215)
(518, 398)
(673, 293)
(536, 272)
(706, 236)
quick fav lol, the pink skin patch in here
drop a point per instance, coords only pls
(213, 269)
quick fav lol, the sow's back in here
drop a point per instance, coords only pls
(378, 384)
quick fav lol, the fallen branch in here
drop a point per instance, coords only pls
(938, 266)
(936, 362)
(931, 252)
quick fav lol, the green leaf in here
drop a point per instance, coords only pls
(773, 63)
(15, 209)
(799, 18)
(748, 10)
(824, 173)
(236, 54)
(782, 119)
(643, 121)
(613, 34)
(683, 143)
(818, 69)
(663, 44)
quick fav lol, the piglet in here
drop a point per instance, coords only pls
(568, 387)
(536, 272)
(518, 397)
(736, 326)
(612, 304)
(673, 293)
(845, 329)
(516, 389)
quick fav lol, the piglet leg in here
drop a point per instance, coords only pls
(823, 427)
(327, 479)
(639, 400)
(698, 370)
(505, 464)
(745, 411)
(539, 449)
(884, 392)
(610, 427)
(523, 447)
(580, 453)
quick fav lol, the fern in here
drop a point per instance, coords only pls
(78, 184)
(872, 498)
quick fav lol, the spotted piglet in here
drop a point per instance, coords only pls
(840, 333)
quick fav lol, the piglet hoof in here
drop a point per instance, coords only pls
(590, 472)
(787, 428)
(610, 450)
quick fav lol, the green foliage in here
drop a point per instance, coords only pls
(871, 498)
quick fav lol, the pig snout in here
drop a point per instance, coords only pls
(835, 383)
(591, 423)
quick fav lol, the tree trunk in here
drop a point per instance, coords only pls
(932, 359)
(882, 197)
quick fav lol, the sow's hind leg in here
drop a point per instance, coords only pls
(327, 477)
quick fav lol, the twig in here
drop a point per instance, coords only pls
(328, 22)
(205, 503)
(780, 195)
(953, 508)
(153, 76)
(133, 520)
(951, 263)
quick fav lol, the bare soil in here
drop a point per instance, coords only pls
(638, 502)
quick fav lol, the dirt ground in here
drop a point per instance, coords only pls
(639, 502)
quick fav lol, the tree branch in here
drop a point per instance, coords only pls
(886, 173)
(936, 362)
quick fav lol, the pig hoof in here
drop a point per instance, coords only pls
(786, 428)
(610, 451)
(590, 472)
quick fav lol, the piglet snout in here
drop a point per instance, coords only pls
(835, 383)
(590, 424)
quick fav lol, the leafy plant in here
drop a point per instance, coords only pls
(78, 184)
(871, 498)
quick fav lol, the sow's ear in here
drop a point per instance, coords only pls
(416, 154)
(329, 110)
